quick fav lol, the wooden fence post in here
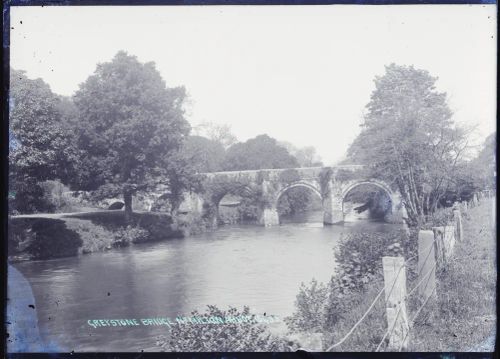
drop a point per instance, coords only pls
(444, 238)
(426, 264)
(395, 302)
(459, 230)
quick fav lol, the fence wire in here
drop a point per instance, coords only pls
(409, 323)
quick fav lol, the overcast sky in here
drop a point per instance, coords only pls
(301, 74)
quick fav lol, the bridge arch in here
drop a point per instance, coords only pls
(236, 189)
(303, 184)
(373, 182)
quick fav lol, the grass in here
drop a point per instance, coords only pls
(466, 310)
(465, 313)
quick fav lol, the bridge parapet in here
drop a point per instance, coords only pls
(304, 172)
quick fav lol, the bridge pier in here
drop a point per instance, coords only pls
(332, 206)
(269, 217)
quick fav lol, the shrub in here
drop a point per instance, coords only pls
(226, 337)
(358, 264)
(159, 225)
(359, 255)
(29, 197)
(439, 218)
(125, 236)
(53, 239)
(94, 237)
(311, 305)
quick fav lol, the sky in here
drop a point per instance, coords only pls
(301, 74)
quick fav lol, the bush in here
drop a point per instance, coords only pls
(311, 305)
(159, 225)
(125, 236)
(226, 337)
(95, 238)
(29, 197)
(359, 262)
(359, 255)
(441, 217)
(53, 239)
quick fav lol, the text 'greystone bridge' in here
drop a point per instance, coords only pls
(266, 186)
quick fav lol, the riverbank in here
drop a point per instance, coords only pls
(464, 317)
(46, 236)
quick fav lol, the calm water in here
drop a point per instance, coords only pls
(233, 266)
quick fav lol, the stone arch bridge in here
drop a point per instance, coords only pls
(331, 184)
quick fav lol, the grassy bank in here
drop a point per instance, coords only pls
(466, 315)
(52, 236)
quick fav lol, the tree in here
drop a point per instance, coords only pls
(40, 148)
(131, 127)
(306, 156)
(484, 165)
(204, 154)
(261, 152)
(216, 132)
(409, 139)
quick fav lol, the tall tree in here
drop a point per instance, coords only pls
(261, 152)
(131, 127)
(409, 138)
(40, 148)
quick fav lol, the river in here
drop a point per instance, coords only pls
(232, 266)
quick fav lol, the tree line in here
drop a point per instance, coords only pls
(123, 132)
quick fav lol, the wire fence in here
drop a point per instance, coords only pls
(423, 279)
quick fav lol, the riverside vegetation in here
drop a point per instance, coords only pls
(462, 319)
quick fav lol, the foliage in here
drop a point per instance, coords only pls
(297, 200)
(204, 154)
(94, 237)
(40, 147)
(306, 156)
(359, 262)
(181, 178)
(310, 308)
(439, 218)
(409, 138)
(129, 234)
(29, 198)
(53, 239)
(467, 292)
(218, 133)
(261, 152)
(359, 255)
(131, 127)
(54, 192)
(479, 173)
(159, 225)
(226, 337)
